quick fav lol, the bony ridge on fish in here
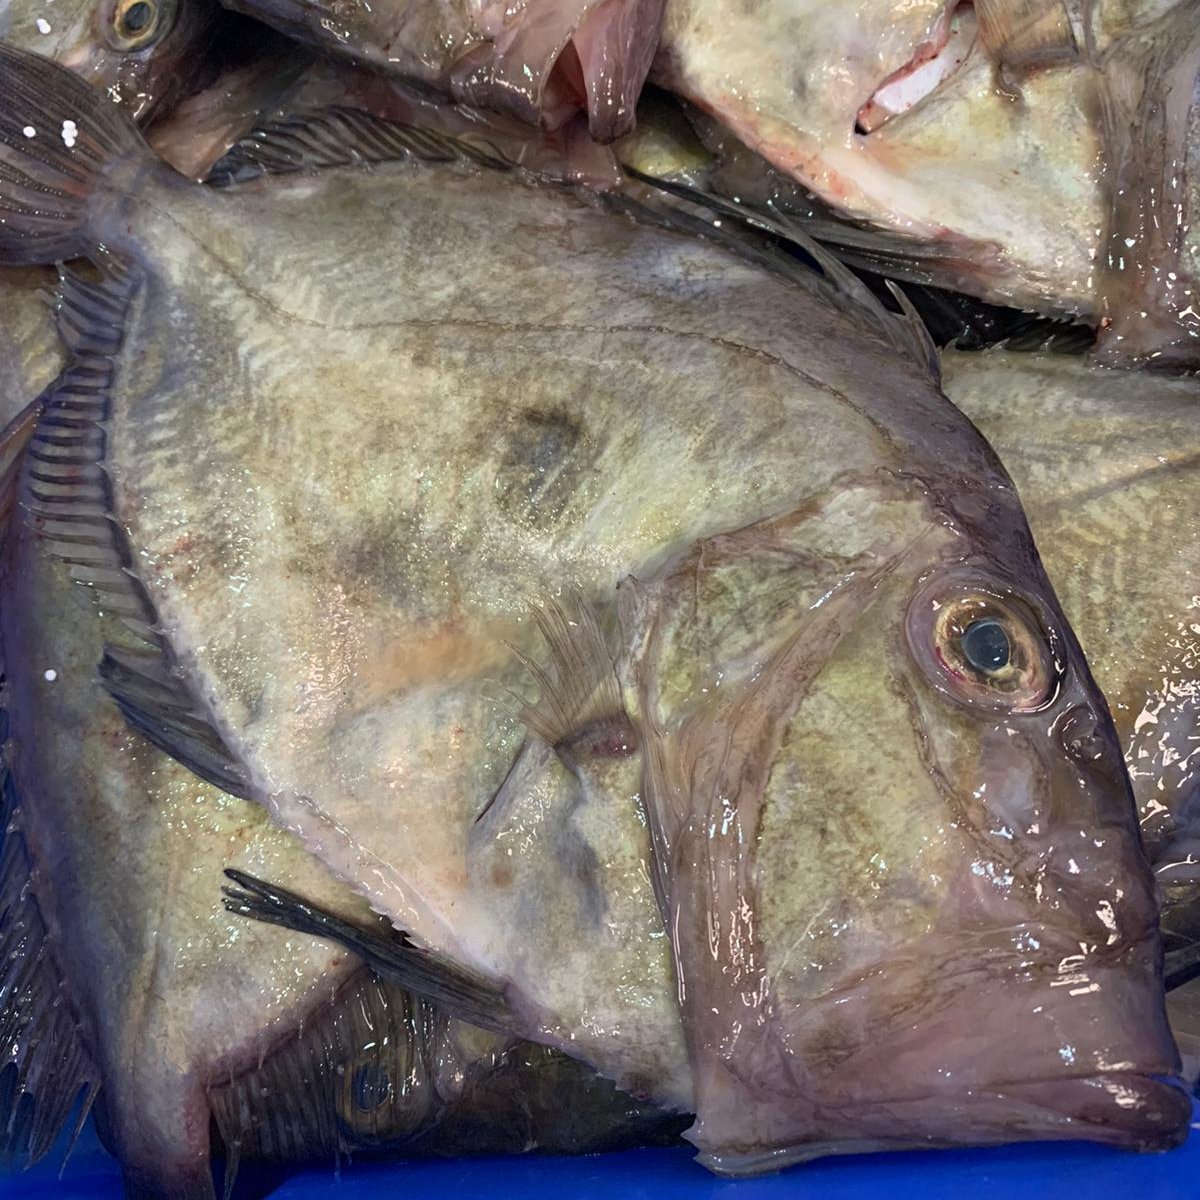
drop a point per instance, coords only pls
(342, 470)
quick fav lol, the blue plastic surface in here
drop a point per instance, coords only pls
(1011, 1173)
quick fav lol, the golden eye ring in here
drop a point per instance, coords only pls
(137, 24)
(984, 645)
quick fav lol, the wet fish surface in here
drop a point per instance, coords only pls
(1106, 465)
(976, 134)
(30, 351)
(542, 61)
(143, 53)
(706, 597)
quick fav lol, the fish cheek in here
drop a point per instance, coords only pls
(857, 843)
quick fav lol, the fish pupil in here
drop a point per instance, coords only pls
(137, 17)
(985, 645)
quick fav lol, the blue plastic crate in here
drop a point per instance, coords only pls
(1027, 1172)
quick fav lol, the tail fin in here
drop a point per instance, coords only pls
(57, 137)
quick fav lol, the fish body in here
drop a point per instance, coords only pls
(533, 664)
(1109, 482)
(1150, 258)
(1107, 470)
(187, 1017)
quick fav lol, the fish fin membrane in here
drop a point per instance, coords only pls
(456, 990)
(578, 688)
(784, 247)
(343, 137)
(360, 1074)
(548, 51)
(48, 1073)
(57, 137)
(65, 486)
(159, 705)
(14, 439)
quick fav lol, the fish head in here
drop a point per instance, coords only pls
(896, 847)
(143, 53)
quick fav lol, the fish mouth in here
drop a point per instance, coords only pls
(1127, 1109)
(935, 60)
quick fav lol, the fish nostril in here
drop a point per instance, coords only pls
(1081, 735)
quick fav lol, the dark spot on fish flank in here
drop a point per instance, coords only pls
(542, 465)
(502, 875)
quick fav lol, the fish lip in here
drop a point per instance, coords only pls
(1161, 1122)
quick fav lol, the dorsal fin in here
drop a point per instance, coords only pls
(47, 1071)
(342, 137)
(65, 486)
(772, 239)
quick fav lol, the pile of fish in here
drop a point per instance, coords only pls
(582, 573)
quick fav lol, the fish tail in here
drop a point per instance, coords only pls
(59, 137)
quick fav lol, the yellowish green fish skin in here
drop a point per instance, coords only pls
(797, 680)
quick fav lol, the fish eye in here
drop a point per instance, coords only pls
(137, 23)
(983, 645)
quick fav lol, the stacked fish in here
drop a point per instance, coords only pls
(508, 644)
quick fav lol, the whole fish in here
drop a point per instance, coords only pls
(485, 587)
(144, 53)
(971, 134)
(540, 60)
